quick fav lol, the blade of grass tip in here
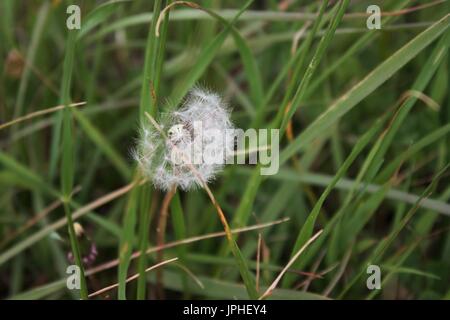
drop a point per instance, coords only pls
(206, 55)
(240, 260)
(366, 86)
(67, 165)
(386, 242)
(274, 284)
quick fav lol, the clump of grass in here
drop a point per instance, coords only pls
(357, 161)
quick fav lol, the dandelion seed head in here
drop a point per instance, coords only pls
(170, 159)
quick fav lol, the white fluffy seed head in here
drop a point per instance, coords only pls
(172, 159)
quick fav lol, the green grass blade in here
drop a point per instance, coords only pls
(127, 241)
(67, 161)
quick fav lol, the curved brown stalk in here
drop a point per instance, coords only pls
(160, 236)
